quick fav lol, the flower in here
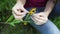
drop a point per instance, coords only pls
(32, 11)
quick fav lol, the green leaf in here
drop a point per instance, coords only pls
(10, 19)
(12, 24)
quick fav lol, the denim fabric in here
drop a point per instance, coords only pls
(49, 27)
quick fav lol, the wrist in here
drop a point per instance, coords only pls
(47, 13)
(21, 2)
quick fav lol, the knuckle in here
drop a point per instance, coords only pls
(17, 18)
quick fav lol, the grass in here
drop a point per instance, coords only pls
(5, 12)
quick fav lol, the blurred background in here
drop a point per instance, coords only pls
(5, 12)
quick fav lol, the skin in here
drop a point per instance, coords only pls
(42, 17)
(38, 18)
(49, 6)
(18, 7)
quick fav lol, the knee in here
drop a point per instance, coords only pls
(50, 28)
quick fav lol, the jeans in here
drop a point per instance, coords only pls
(49, 27)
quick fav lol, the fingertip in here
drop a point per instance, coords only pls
(34, 14)
(27, 11)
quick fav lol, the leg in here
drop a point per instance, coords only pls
(48, 28)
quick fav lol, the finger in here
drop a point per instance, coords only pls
(23, 9)
(37, 22)
(41, 14)
(34, 20)
(18, 13)
(40, 18)
(40, 23)
(38, 15)
(18, 17)
(43, 18)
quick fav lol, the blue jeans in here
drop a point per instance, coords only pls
(49, 27)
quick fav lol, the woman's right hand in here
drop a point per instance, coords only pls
(19, 11)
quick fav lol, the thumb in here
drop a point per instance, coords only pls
(23, 9)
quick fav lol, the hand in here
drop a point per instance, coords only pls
(40, 18)
(19, 11)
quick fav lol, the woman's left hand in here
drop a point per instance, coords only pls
(40, 18)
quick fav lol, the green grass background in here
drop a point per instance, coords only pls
(5, 12)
